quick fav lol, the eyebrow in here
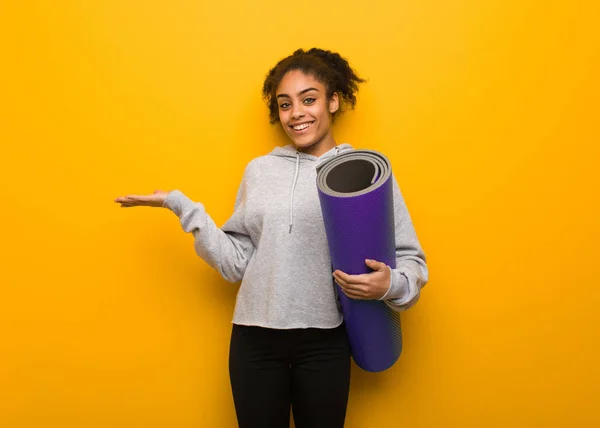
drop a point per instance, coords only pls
(299, 93)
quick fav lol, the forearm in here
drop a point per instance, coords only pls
(226, 252)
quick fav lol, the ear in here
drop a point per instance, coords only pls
(334, 103)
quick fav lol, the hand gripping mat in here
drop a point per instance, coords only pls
(356, 196)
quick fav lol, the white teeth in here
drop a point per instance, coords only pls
(301, 127)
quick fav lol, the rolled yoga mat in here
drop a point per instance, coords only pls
(356, 196)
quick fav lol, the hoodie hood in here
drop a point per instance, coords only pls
(289, 152)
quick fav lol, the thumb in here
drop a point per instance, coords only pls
(375, 265)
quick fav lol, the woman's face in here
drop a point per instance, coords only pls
(304, 110)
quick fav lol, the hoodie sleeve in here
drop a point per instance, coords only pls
(227, 249)
(411, 272)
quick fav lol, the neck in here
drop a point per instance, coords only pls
(322, 146)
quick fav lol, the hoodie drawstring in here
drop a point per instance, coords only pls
(337, 150)
(294, 188)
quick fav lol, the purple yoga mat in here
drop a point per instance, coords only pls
(356, 195)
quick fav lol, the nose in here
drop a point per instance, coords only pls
(297, 111)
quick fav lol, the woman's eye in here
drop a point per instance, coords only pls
(309, 100)
(284, 105)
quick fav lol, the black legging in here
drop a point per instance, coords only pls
(308, 369)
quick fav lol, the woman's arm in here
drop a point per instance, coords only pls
(411, 272)
(227, 249)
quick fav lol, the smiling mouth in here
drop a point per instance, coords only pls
(302, 126)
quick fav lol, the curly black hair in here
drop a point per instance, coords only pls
(327, 67)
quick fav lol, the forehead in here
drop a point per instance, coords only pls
(295, 81)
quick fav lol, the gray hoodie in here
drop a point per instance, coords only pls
(275, 243)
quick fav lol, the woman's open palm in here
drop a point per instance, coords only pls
(156, 199)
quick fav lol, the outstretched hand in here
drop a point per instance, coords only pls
(366, 286)
(156, 199)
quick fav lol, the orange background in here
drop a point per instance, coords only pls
(487, 109)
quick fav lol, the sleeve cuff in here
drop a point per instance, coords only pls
(177, 202)
(398, 286)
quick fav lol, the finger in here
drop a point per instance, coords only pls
(358, 288)
(130, 203)
(359, 295)
(343, 283)
(135, 205)
(351, 295)
(122, 199)
(375, 265)
(351, 279)
(355, 290)
(138, 198)
(141, 200)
